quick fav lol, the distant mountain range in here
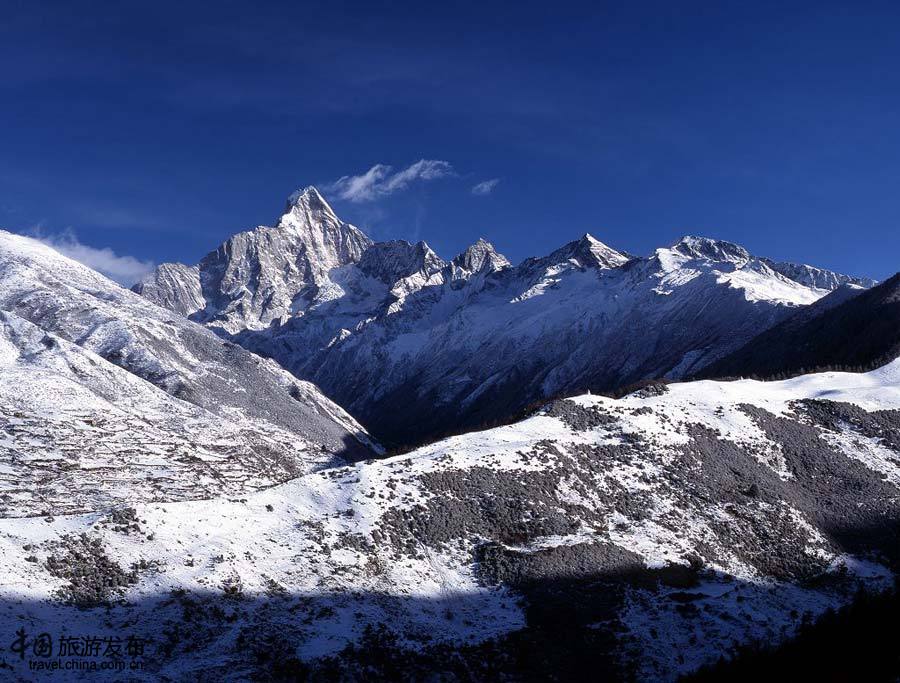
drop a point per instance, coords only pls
(415, 346)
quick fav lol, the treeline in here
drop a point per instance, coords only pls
(878, 362)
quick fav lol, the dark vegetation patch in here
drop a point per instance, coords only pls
(509, 507)
(844, 499)
(500, 565)
(644, 389)
(835, 415)
(123, 521)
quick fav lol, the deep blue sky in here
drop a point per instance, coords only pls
(159, 129)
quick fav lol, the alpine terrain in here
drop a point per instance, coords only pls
(474, 340)
(848, 329)
(162, 484)
(104, 389)
(637, 538)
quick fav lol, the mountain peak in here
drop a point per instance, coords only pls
(479, 255)
(711, 249)
(591, 251)
(308, 200)
(326, 238)
(397, 259)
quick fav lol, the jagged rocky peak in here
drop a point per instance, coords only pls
(255, 276)
(308, 199)
(604, 256)
(325, 237)
(480, 255)
(588, 252)
(711, 249)
(397, 259)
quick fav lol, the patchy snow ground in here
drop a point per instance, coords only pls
(699, 508)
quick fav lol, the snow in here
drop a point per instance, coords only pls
(292, 532)
(419, 324)
(82, 437)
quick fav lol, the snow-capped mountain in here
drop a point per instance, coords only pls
(851, 328)
(263, 275)
(474, 340)
(160, 481)
(639, 537)
(68, 331)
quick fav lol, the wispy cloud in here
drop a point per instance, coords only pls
(126, 270)
(380, 180)
(485, 187)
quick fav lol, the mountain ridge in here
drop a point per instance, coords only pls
(393, 323)
(859, 330)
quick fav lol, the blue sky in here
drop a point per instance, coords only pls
(155, 130)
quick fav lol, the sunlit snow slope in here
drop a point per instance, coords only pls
(92, 370)
(642, 536)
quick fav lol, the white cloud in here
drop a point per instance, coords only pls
(379, 181)
(485, 187)
(126, 270)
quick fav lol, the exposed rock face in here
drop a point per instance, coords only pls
(476, 340)
(480, 256)
(394, 263)
(174, 286)
(262, 275)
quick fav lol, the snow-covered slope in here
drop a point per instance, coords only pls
(817, 277)
(643, 536)
(850, 329)
(472, 341)
(70, 302)
(78, 433)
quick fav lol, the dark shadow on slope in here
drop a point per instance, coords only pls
(219, 635)
(855, 643)
(573, 629)
(351, 451)
(494, 382)
(858, 335)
